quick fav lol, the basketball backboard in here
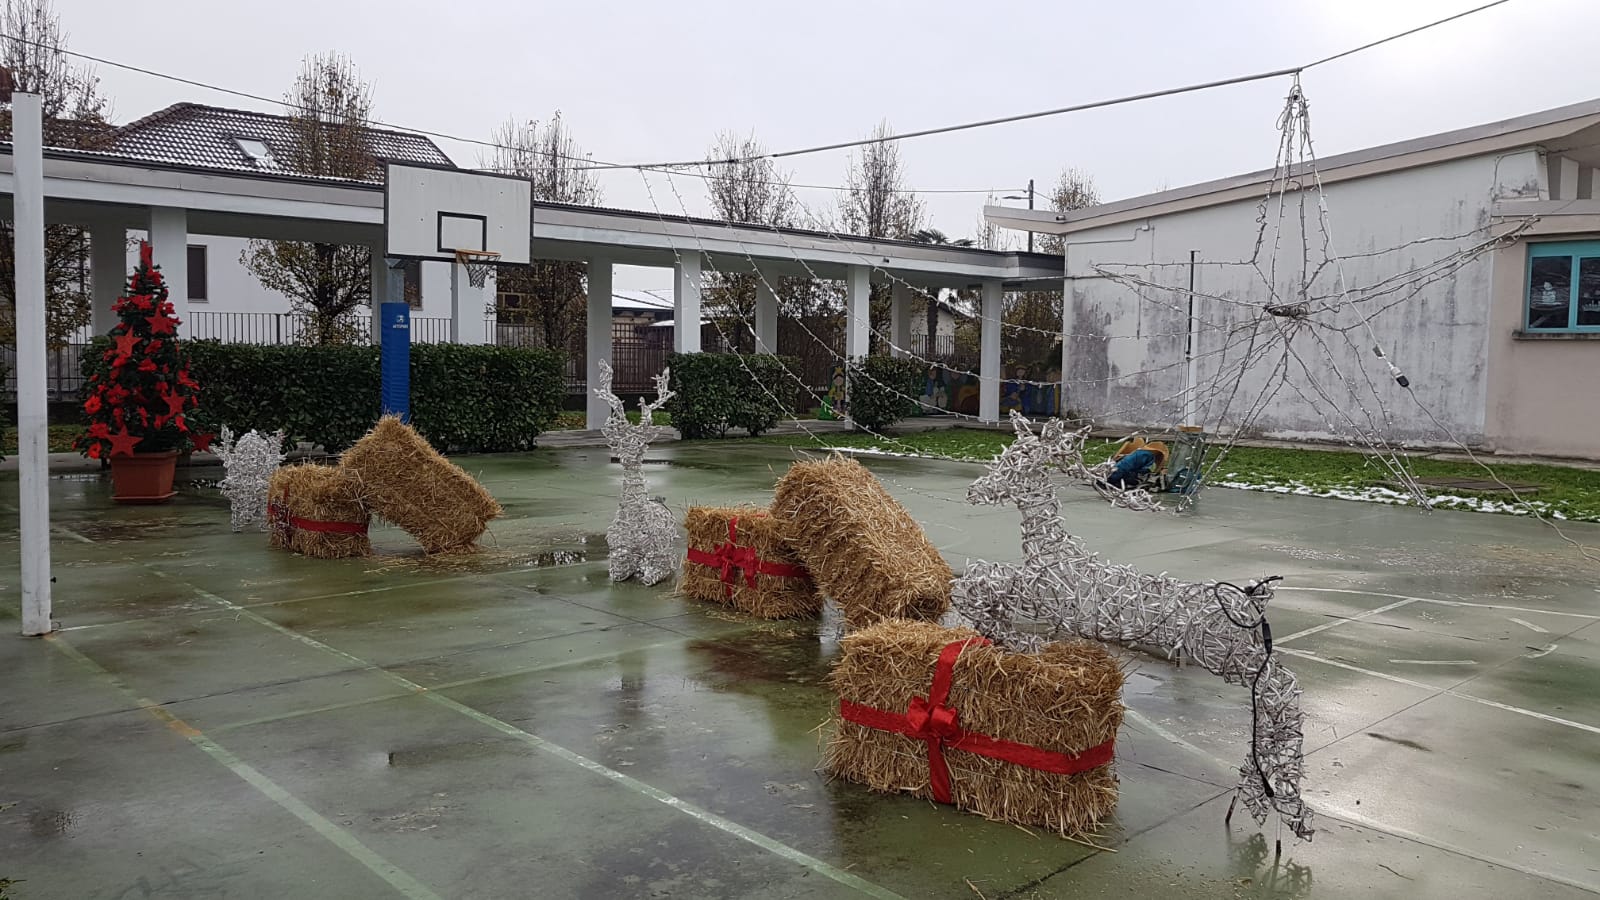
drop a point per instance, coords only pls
(431, 213)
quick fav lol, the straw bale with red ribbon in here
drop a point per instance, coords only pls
(318, 511)
(940, 713)
(738, 558)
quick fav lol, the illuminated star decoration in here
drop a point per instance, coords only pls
(249, 464)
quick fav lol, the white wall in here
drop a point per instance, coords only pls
(232, 289)
(1124, 350)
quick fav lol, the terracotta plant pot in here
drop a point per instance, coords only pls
(143, 477)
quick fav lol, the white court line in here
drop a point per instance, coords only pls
(1434, 662)
(1342, 621)
(707, 817)
(1364, 821)
(1530, 626)
(1543, 612)
(1554, 720)
(397, 878)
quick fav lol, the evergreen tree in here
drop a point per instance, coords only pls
(137, 403)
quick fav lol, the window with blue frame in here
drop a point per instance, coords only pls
(1564, 286)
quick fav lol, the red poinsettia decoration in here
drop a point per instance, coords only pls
(139, 403)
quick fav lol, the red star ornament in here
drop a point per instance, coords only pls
(174, 405)
(122, 443)
(126, 343)
(160, 324)
(202, 442)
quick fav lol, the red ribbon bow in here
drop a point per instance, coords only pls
(730, 558)
(930, 719)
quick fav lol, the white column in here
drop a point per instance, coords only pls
(766, 313)
(169, 247)
(900, 319)
(858, 311)
(597, 345)
(989, 362)
(469, 306)
(33, 458)
(381, 277)
(108, 272)
(686, 303)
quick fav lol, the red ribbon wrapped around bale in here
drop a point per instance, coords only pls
(280, 519)
(731, 559)
(933, 720)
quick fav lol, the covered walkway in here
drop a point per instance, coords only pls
(111, 194)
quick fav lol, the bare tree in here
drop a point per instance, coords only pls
(330, 110)
(1032, 339)
(745, 186)
(876, 203)
(1073, 190)
(553, 295)
(32, 46)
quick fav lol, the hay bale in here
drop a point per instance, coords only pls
(1066, 699)
(407, 482)
(773, 595)
(317, 510)
(862, 547)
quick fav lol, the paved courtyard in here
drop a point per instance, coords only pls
(216, 719)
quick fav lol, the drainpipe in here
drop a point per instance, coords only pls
(1190, 376)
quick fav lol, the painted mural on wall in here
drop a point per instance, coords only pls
(958, 391)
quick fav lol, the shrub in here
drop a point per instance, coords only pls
(463, 398)
(883, 390)
(484, 398)
(718, 391)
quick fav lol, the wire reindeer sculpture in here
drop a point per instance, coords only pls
(643, 534)
(1061, 589)
(248, 463)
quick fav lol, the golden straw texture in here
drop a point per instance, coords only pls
(773, 596)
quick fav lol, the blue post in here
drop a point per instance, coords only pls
(396, 360)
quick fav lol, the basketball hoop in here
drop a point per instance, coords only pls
(479, 264)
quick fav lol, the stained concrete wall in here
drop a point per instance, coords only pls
(1126, 308)
(1541, 391)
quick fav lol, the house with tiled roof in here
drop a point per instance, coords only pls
(211, 136)
(226, 301)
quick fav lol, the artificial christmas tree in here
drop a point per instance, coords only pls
(136, 405)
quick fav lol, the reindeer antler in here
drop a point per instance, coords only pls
(603, 391)
(647, 411)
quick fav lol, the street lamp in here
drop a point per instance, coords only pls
(1028, 198)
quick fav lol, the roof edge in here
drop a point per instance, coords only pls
(1525, 130)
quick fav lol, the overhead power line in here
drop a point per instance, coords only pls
(1062, 110)
(841, 145)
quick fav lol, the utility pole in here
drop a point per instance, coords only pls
(1030, 209)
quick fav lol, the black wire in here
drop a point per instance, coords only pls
(1252, 591)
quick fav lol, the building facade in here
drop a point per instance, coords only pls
(1471, 259)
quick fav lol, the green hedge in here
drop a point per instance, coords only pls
(718, 391)
(463, 398)
(884, 390)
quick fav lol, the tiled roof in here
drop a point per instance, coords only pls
(197, 135)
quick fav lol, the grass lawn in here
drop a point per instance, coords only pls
(61, 439)
(1563, 492)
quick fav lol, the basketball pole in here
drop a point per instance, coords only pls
(33, 459)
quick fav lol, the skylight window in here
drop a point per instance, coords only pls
(256, 151)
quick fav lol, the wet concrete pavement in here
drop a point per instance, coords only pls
(217, 719)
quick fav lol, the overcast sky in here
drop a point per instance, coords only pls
(649, 81)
